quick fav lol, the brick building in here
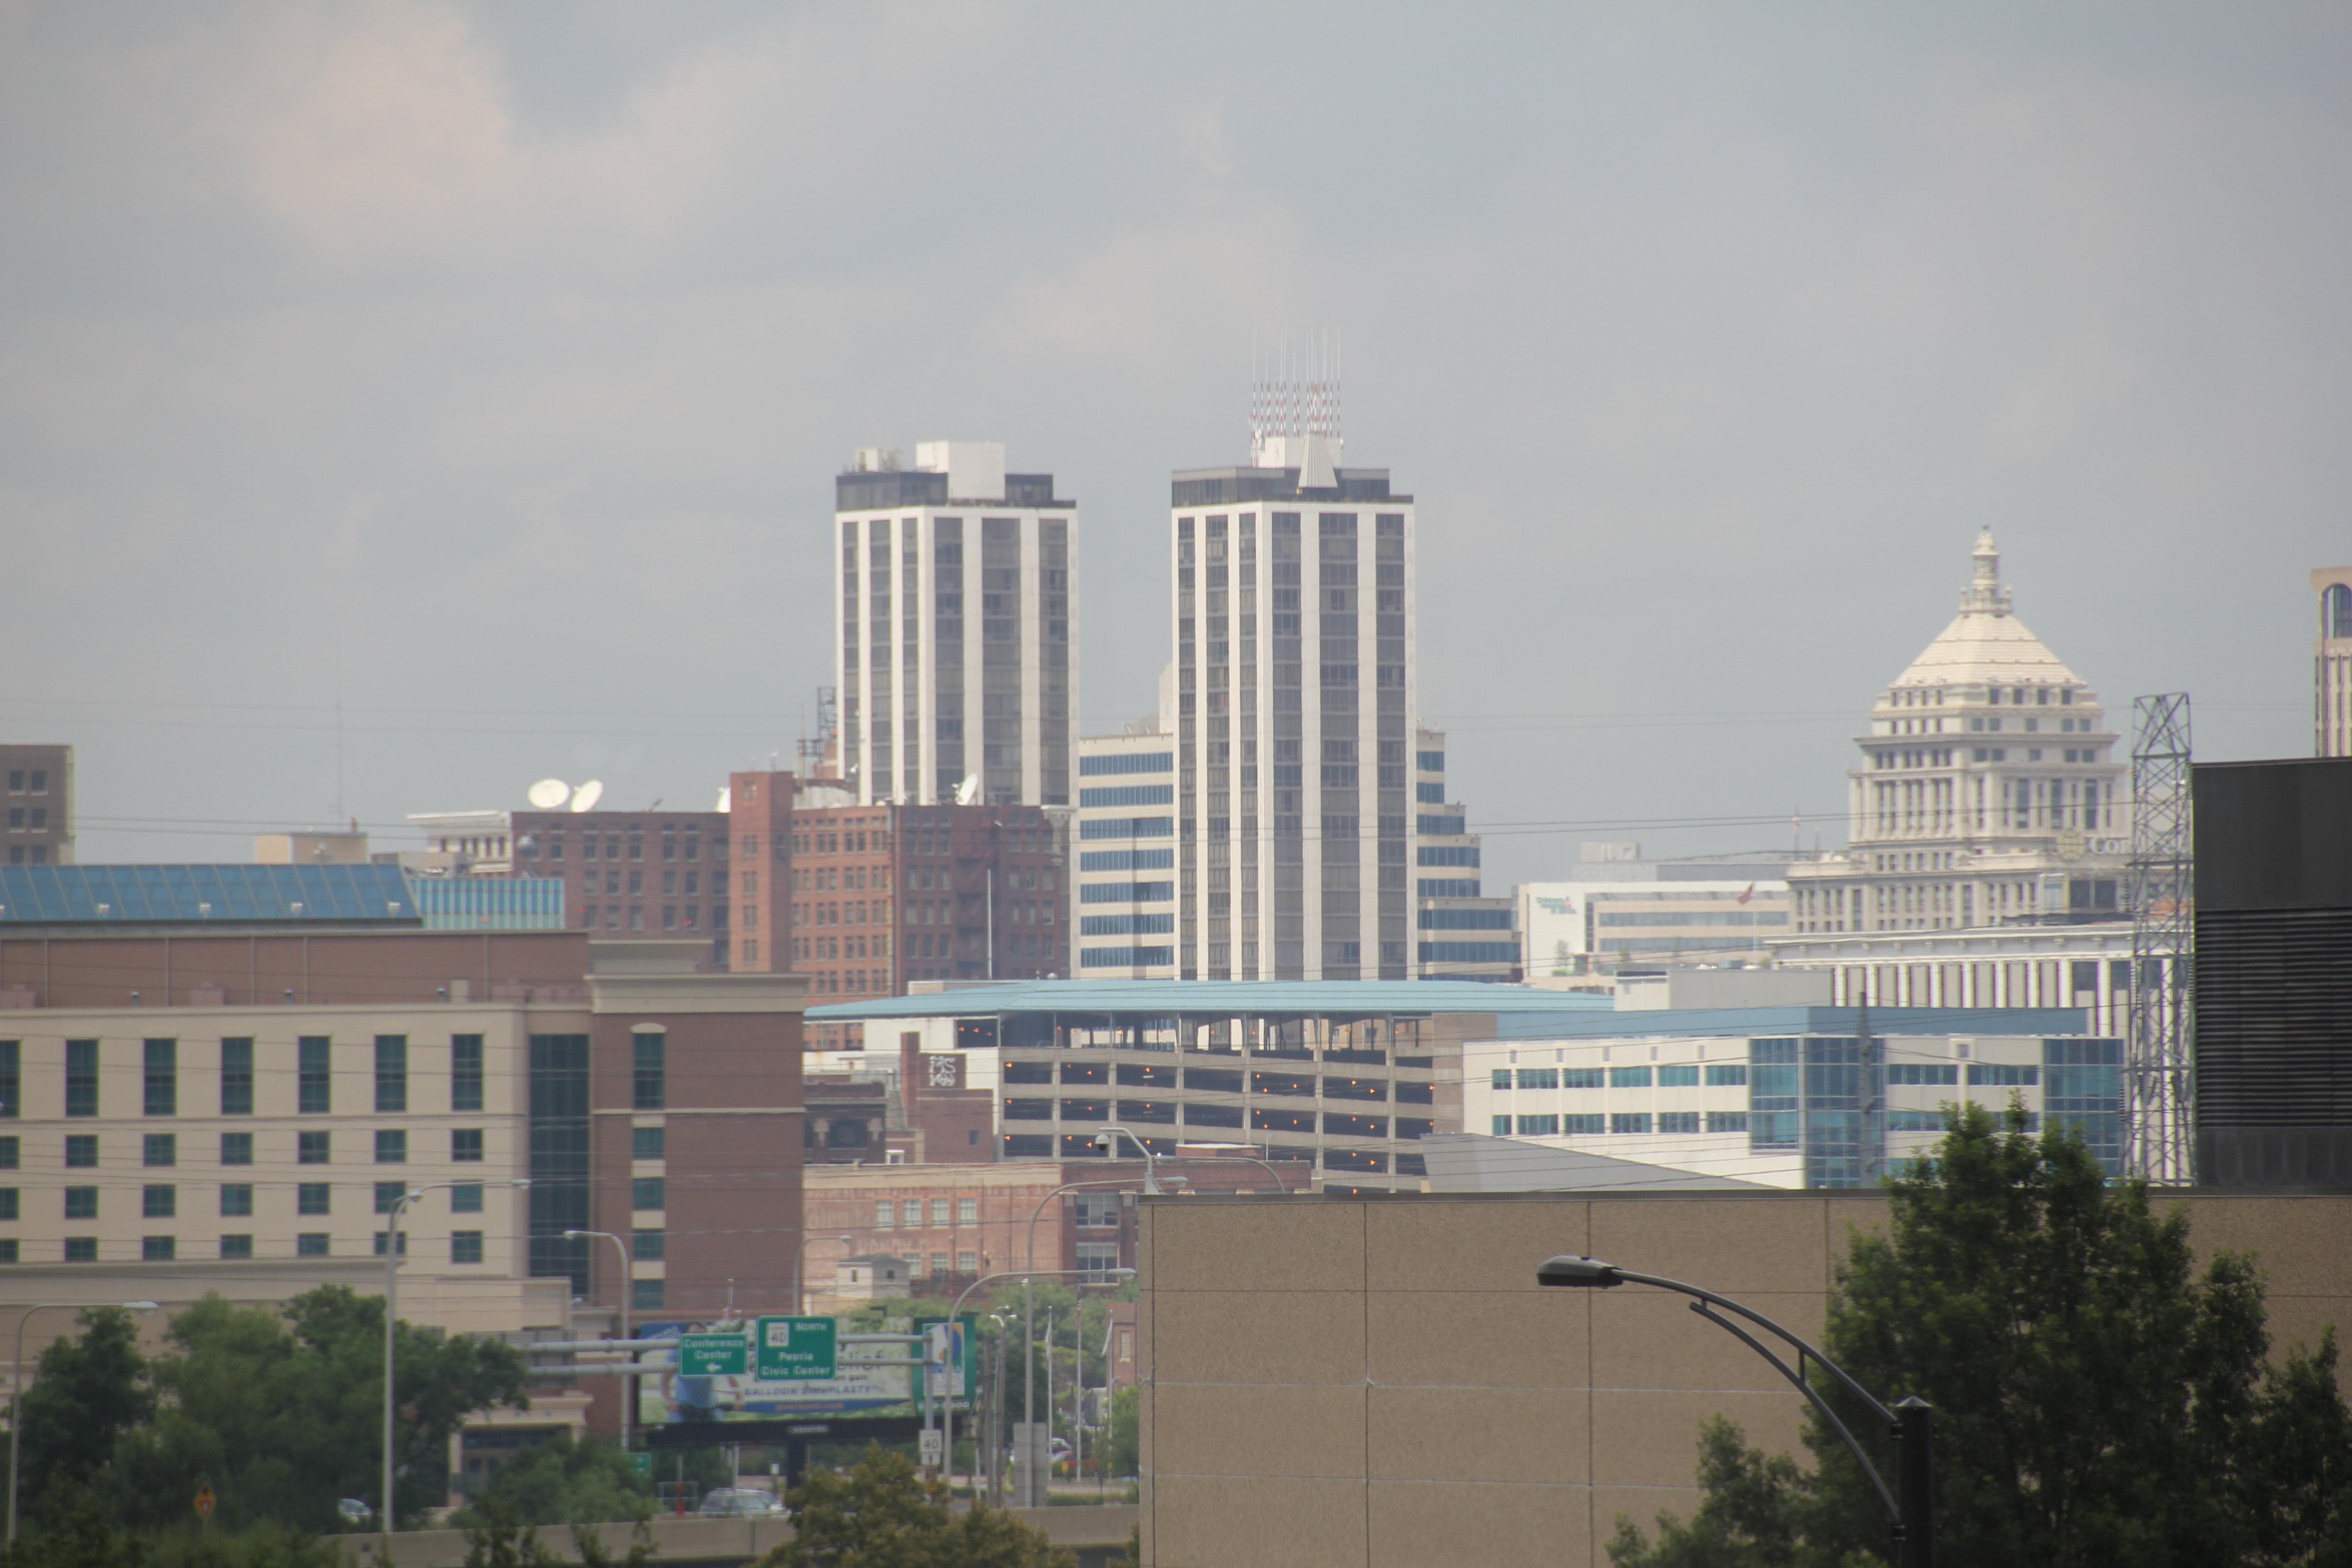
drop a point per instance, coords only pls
(38, 823)
(642, 873)
(865, 898)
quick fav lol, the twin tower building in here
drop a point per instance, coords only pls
(1284, 816)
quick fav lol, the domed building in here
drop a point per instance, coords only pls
(1992, 791)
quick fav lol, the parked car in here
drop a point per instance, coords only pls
(356, 1511)
(738, 1502)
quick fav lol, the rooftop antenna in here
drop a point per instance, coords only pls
(1294, 390)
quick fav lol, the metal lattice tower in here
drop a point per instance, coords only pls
(2159, 1089)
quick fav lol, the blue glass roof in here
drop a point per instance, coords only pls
(489, 903)
(1215, 999)
(55, 894)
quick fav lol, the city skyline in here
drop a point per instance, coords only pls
(1672, 401)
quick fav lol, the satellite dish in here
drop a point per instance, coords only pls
(725, 796)
(548, 794)
(968, 791)
(585, 797)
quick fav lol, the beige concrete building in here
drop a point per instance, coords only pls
(36, 819)
(1381, 1382)
(276, 1137)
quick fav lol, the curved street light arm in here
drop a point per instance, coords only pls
(1820, 1405)
(946, 1424)
(1759, 1319)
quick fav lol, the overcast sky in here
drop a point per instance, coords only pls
(486, 369)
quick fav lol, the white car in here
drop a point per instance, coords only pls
(356, 1511)
(738, 1502)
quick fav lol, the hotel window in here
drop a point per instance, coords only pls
(388, 1194)
(81, 1149)
(465, 1144)
(391, 1074)
(647, 1193)
(465, 1247)
(884, 1213)
(236, 1078)
(236, 1246)
(466, 1197)
(161, 1078)
(392, 1148)
(310, 1148)
(312, 1198)
(12, 1079)
(236, 1199)
(160, 1148)
(648, 1142)
(311, 1244)
(159, 1202)
(649, 1069)
(465, 1072)
(314, 1081)
(81, 1078)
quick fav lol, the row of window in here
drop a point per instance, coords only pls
(465, 1247)
(1722, 1075)
(1674, 1122)
(162, 1200)
(466, 1146)
(966, 1212)
(1640, 1122)
(1719, 1074)
(314, 1076)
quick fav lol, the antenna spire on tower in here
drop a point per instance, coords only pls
(1294, 390)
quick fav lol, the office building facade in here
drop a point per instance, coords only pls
(1990, 791)
(1790, 1097)
(2331, 664)
(1292, 606)
(39, 820)
(1460, 932)
(955, 641)
(1123, 858)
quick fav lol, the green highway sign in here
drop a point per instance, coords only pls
(713, 1355)
(790, 1348)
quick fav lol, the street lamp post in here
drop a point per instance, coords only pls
(391, 1324)
(628, 1379)
(1026, 1276)
(1107, 1139)
(1911, 1423)
(800, 1260)
(17, 1389)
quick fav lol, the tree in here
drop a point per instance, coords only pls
(80, 1535)
(86, 1395)
(559, 1481)
(883, 1514)
(1126, 1432)
(283, 1415)
(2097, 1400)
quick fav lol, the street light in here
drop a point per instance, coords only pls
(1027, 1278)
(17, 1389)
(391, 1322)
(1106, 1141)
(628, 1379)
(799, 1258)
(1911, 1423)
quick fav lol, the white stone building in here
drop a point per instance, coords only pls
(1990, 791)
(1293, 784)
(955, 640)
(1461, 933)
(2331, 664)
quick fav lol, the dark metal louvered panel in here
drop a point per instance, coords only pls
(2273, 1003)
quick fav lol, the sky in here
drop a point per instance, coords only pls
(482, 371)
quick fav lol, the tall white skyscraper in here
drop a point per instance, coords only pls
(1295, 705)
(956, 647)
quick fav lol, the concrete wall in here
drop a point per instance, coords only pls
(1382, 1382)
